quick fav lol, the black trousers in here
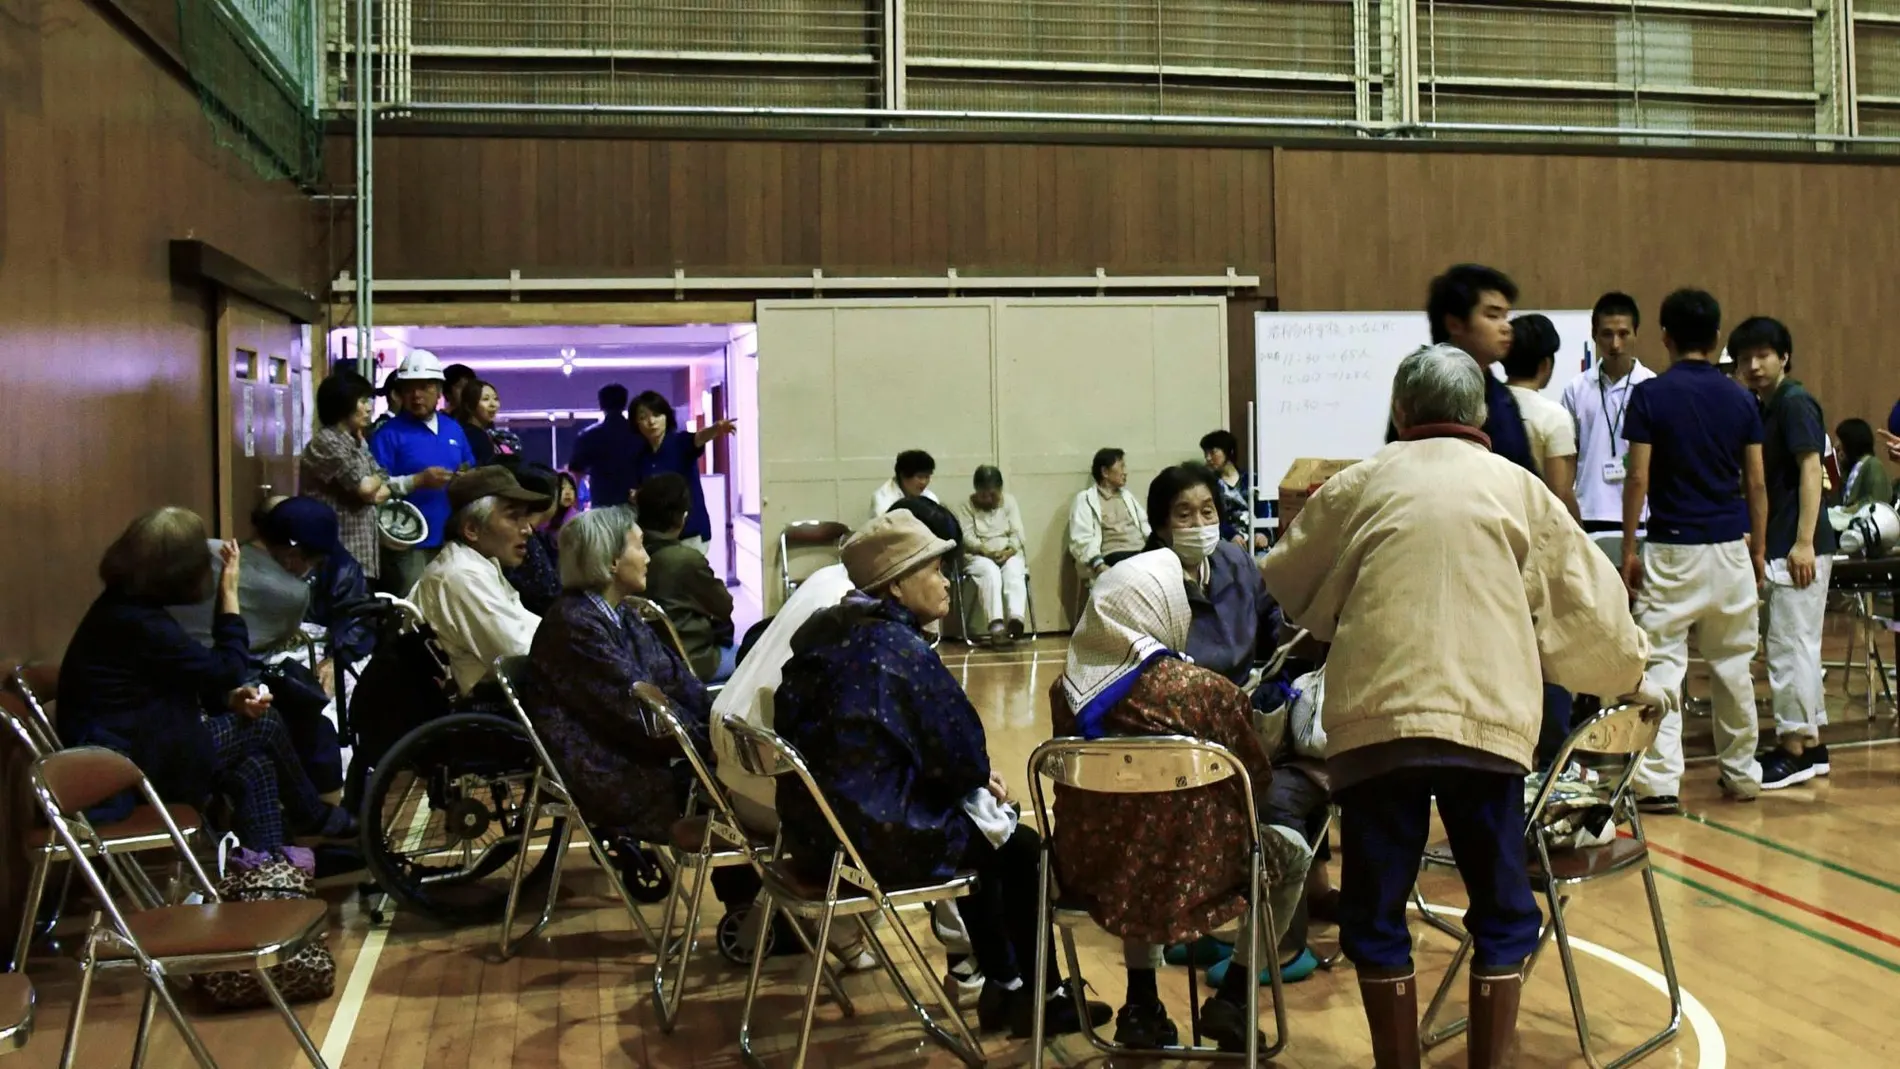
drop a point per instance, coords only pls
(1000, 913)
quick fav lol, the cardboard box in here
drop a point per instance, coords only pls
(1301, 479)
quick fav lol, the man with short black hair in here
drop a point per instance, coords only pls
(1598, 400)
(1695, 456)
(604, 452)
(1469, 306)
(910, 477)
(1528, 366)
(1800, 550)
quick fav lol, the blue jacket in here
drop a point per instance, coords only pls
(134, 681)
(677, 454)
(604, 453)
(1226, 616)
(405, 446)
(892, 741)
(337, 585)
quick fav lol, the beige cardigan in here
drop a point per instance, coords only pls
(1451, 583)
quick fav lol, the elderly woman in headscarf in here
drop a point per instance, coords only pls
(902, 758)
(1447, 612)
(1163, 874)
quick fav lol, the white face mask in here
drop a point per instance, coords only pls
(1195, 544)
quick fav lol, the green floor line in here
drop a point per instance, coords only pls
(1831, 866)
(1890, 966)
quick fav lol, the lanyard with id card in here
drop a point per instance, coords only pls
(1617, 468)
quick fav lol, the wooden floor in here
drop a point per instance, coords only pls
(1784, 916)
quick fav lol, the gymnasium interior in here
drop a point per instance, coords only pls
(1006, 232)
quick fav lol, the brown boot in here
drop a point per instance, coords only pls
(1392, 1014)
(1492, 1039)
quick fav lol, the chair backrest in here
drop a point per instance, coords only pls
(653, 614)
(20, 723)
(660, 711)
(764, 753)
(37, 683)
(1146, 764)
(757, 755)
(512, 672)
(1624, 730)
(806, 546)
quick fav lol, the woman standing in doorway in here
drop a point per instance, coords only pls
(664, 447)
(475, 408)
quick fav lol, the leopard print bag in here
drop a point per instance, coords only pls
(308, 976)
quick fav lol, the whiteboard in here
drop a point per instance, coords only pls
(1323, 380)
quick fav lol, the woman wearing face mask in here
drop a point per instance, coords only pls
(1224, 589)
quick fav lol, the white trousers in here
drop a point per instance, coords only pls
(1710, 590)
(1791, 631)
(1002, 589)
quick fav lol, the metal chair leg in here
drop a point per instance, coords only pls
(1038, 1015)
(963, 1043)
(296, 1026)
(811, 991)
(87, 963)
(35, 891)
(666, 1003)
(142, 1040)
(768, 909)
(505, 944)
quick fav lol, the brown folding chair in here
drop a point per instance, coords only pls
(37, 683)
(141, 831)
(798, 550)
(16, 1012)
(171, 940)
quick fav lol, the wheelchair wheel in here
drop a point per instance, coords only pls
(442, 815)
(730, 932)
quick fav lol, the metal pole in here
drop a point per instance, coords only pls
(365, 192)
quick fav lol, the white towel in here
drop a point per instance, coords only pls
(995, 820)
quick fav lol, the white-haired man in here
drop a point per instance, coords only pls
(1447, 612)
(476, 613)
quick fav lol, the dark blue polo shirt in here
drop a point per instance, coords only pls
(1697, 423)
(405, 445)
(604, 453)
(1792, 424)
(678, 454)
(1226, 616)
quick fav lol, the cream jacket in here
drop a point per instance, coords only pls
(476, 615)
(1452, 584)
(1085, 524)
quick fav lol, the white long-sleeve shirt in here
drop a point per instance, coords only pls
(890, 494)
(476, 615)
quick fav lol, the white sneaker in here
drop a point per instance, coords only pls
(964, 983)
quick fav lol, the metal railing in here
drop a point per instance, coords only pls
(1773, 74)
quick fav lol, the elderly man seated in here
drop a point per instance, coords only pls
(1447, 612)
(995, 552)
(476, 614)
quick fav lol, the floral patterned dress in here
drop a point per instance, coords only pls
(1162, 873)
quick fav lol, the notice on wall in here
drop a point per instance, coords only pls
(279, 419)
(247, 418)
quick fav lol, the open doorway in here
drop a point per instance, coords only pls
(548, 379)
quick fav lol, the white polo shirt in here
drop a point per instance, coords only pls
(1599, 406)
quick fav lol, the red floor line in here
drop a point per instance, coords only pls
(1786, 899)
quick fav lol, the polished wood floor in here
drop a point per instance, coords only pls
(1784, 916)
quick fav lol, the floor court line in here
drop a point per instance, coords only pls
(1771, 915)
(1831, 866)
(1784, 898)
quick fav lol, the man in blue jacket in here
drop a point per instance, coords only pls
(429, 445)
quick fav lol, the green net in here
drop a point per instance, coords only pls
(255, 66)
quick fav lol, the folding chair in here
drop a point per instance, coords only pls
(170, 940)
(959, 609)
(807, 535)
(16, 1012)
(1157, 764)
(715, 840)
(849, 890)
(37, 683)
(548, 796)
(144, 829)
(1624, 731)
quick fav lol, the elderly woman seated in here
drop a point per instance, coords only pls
(995, 555)
(901, 756)
(1447, 612)
(589, 651)
(464, 594)
(1157, 874)
(134, 681)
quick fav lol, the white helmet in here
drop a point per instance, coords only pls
(1872, 532)
(419, 366)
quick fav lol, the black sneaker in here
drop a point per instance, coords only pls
(1226, 1024)
(1780, 769)
(1145, 1026)
(1816, 756)
(1058, 1017)
(1666, 805)
(996, 1006)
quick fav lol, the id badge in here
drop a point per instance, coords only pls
(1613, 472)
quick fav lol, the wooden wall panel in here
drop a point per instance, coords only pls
(481, 206)
(104, 158)
(1816, 245)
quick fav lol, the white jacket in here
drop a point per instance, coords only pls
(890, 494)
(1085, 525)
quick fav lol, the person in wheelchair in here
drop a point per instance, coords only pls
(133, 680)
(899, 753)
(477, 616)
(590, 650)
(1162, 875)
(1446, 612)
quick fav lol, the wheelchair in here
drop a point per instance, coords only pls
(439, 782)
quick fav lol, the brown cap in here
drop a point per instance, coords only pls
(887, 547)
(492, 480)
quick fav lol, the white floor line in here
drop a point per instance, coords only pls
(1710, 1044)
(336, 1041)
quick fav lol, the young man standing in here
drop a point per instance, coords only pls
(1527, 370)
(1800, 549)
(1599, 402)
(1694, 446)
(1469, 306)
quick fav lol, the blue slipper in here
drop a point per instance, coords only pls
(1206, 950)
(1301, 967)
